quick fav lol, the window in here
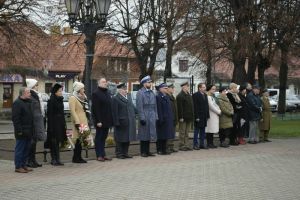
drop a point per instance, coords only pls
(183, 65)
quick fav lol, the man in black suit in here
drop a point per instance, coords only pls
(201, 113)
(102, 117)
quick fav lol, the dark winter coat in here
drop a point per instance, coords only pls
(174, 108)
(102, 108)
(22, 118)
(165, 124)
(124, 118)
(56, 128)
(147, 111)
(236, 107)
(38, 119)
(255, 107)
(185, 106)
(244, 111)
(201, 109)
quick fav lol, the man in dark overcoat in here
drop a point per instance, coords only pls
(124, 121)
(102, 117)
(22, 118)
(201, 113)
(38, 122)
(147, 111)
(170, 92)
(165, 124)
(255, 109)
(185, 116)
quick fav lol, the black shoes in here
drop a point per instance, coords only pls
(151, 154)
(224, 145)
(56, 163)
(212, 146)
(196, 148)
(80, 160)
(144, 155)
(268, 140)
(33, 164)
(203, 147)
(124, 156)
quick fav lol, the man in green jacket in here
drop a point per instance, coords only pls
(185, 115)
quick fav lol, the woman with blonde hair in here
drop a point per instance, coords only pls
(236, 104)
(80, 114)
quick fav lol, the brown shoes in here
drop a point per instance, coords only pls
(103, 159)
(21, 170)
(28, 169)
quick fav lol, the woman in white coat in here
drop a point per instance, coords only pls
(214, 112)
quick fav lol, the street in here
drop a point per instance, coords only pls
(262, 171)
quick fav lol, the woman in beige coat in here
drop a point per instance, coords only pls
(225, 118)
(213, 120)
(79, 112)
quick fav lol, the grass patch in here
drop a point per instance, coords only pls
(284, 128)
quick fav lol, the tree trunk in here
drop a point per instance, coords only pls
(209, 68)
(239, 73)
(261, 77)
(283, 72)
(251, 69)
(168, 67)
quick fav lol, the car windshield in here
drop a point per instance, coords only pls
(66, 97)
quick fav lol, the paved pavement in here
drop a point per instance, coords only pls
(262, 171)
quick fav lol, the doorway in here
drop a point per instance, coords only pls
(7, 95)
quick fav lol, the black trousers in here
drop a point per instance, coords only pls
(161, 146)
(54, 150)
(223, 133)
(122, 148)
(210, 138)
(32, 151)
(77, 151)
(145, 147)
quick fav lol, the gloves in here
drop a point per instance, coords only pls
(143, 122)
(197, 120)
(181, 120)
(77, 126)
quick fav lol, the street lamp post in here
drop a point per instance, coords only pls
(88, 16)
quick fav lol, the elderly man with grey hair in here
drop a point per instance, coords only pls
(22, 117)
(124, 121)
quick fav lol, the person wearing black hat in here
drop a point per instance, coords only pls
(165, 124)
(123, 112)
(255, 108)
(265, 123)
(56, 127)
(185, 116)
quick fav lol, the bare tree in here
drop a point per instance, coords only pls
(139, 23)
(177, 21)
(286, 21)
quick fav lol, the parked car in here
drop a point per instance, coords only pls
(293, 99)
(45, 98)
(273, 105)
(289, 106)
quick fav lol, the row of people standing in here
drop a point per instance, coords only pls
(158, 114)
